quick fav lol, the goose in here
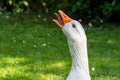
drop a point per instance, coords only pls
(77, 43)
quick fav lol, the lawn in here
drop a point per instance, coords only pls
(33, 48)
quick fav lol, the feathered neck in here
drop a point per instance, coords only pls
(80, 68)
(77, 43)
(79, 54)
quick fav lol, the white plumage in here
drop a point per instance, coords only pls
(77, 43)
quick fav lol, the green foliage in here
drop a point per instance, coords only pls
(34, 49)
(18, 5)
(111, 9)
(107, 10)
(79, 5)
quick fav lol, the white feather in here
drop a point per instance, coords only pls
(77, 43)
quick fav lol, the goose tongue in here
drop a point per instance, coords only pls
(64, 17)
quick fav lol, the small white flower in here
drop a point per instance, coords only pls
(90, 24)
(0, 13)
(23, 41)
(101, 75)
(14, 40)
(44, 44)
(17, 62)
(80, 20)
(44, 19)
(39, 16)
(93, 69)
(35, 46)
(44, 4)
(48, 34)
(7, 17)
(101, 21)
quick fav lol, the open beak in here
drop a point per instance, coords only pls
(62, 19)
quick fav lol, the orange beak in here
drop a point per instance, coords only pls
(62, 19)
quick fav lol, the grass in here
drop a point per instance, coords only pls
(33, 48)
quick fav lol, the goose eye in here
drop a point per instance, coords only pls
(73, 25)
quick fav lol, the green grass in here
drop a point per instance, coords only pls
(34, 49)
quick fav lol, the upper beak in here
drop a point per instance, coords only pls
(62, 19)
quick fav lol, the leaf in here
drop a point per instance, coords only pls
(10, 2)
(25, 3)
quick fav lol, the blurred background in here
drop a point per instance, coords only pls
(94, 10)
(32, 47)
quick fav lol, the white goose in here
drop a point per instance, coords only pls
(77, 43)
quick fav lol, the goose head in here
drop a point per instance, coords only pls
(70, 27)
